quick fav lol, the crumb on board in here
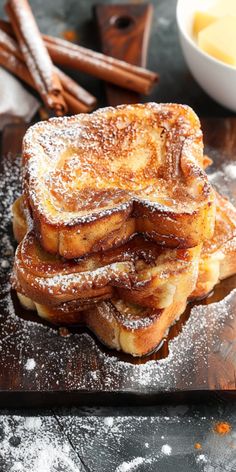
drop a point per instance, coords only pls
(30, 364)
(222, 428)
(198, 446)
(166, 449)
(63, 331)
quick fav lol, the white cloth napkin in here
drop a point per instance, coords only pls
(15, 100)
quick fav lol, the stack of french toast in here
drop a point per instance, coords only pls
(118, 225)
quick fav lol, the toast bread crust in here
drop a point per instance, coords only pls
(92, 181)
(123, 324)
(134, 330)
(118, 226)
(218, 255)
(139, 271)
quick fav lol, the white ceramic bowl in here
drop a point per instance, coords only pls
(215, 77)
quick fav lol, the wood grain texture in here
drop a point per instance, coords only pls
(124, 32)
(12, 137)
(199, 354)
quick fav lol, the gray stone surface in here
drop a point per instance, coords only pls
(150, 439)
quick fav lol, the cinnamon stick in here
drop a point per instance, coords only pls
(74, 105)
(73, 89)
(9, 44)
(35, 54)
(94, 65)
(17, 67)
(113, 62)
(77, 98)
(100, 65)
(6, 27)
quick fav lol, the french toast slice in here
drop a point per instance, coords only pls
(92, 181)
(47, 278)
(133, 329)
(218, 255)
(139, 271)
(136, 329)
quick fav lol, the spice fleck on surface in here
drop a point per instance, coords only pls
(222, 428)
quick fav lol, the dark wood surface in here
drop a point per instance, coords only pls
(78, 369)
(124, 32)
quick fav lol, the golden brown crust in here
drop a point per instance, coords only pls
(155, 283)
(218, 256)
(91, 183)
(139, 271)
(134, 330)
(137, 162)
(122, 323)
(19, 222)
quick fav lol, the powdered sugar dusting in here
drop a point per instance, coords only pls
(35, 444)
(108, 421)
(30, 364)
(33, 48)
(10, 188)
(89, 279)
(110, 161)
(178, 427)
(131, 465)
(230, 171)
(57, 358)
(166, 449)
(224, 180)
(20, 338)
(201, 458)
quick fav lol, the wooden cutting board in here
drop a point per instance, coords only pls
(40, 367)
(124, 32)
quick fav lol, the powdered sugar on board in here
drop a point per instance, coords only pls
(171, 432)
(35, 444)
(132, 465)
(224, 179)
(118, 443)
(30, 364)
(21, 340)
(78, 362)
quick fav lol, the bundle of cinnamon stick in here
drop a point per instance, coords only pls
(31, 57)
